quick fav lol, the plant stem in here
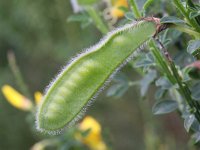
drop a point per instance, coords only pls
(181, 8)
(186, 92)
(183, 88)
(161, 61)
(135, 9)
(186, 30)
(17, 74)
(147, 4)
(193, 33)
(97, 19)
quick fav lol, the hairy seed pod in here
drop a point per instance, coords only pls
(82, 79)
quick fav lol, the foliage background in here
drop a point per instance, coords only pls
(43, 41)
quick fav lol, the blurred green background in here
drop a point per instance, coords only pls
(43, 41)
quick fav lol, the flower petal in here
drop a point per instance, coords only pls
(93, 138)
(38, 97)
(116, 11)
(16, 99)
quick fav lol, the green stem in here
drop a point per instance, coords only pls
(161, 61)
(146, 5)
(97, 19)
(17, 74)
(186, 30)
(186, 92)
(192, 22)
(135, 9)
(183, 88)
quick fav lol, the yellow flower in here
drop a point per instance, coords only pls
(16, 99)
(38, 97)
(116, 11)
(93, 138)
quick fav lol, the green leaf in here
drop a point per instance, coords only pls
(194, 14)
(172, 20)
(130, 16)
(193, 47)
(193, 10)
(121, 77)
(159, 93)
(164, 107)
(164, 83)
(146, 81)
(145, 61)
(193, 72)
(167, 42)
(196, 137)
(117, 90)
(190, 4)
(121, 86)
(84, 19)
(85, 24)
(170, 36)
(150, 57)
(78, 18)
(188, 122)
(195, 126)
(196, 91)
(147, 4)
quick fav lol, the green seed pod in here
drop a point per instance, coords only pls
(86, 75)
